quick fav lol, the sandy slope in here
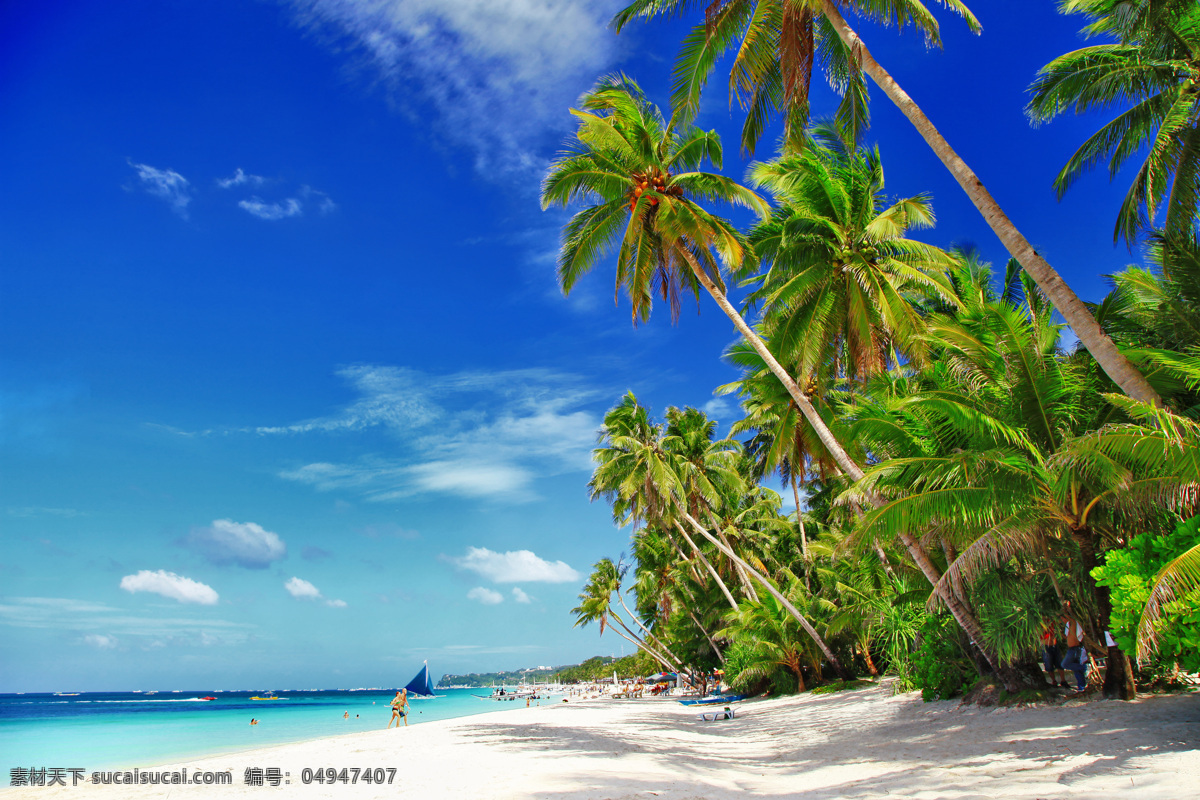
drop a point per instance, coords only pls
(854, 744)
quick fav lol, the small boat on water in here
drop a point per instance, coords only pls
(210, 697)
(271, 697)
(715, 699)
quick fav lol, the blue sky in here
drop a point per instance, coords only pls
(288, 394)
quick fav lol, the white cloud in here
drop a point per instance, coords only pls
(471, 434)
(101, 641)
(239, 178)
(167, 185)
(303, 590)
(515, 566)
(168, 584)
(717, 408)
(520, 596)
(257, 207)
(323, 202)
(486, 596)
(244, 543)
(498, 75)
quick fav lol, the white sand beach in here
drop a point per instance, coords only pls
(859, 744)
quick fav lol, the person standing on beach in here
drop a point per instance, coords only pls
(400, 708)
(1052, 657)
(1076, 659)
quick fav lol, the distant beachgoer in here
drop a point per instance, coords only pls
(400, 708)
(346, 715)
(253, 721)
(1076, 658)
(1052, 657)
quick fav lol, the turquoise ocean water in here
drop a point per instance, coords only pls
(98, 731)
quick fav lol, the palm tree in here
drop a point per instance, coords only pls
(777, 40)
(840, 295)
(595, 605)
(1019, 460)
(1154, 66)
(642, 176)
(635, 476)
(775, 639)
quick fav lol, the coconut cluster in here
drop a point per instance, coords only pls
(656, 184)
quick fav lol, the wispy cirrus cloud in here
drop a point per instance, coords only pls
(257, 207)
(471, 434)
(498, 74)
(84, 618)
(241, 178)
(165, 184)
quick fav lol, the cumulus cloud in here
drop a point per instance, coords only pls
(245, 543)
(241, 178)
(165, 184)
(303, 590)
(257, 207)
(471, 434)
(515, 566)
(300, 588)
(520, 596)
(168, 584)
(496, 74)
(101, 641)
(488, 597)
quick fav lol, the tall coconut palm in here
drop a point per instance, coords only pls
(652, 480)
(635, 475)
(777, 40)
(841, 291)
(1154, 67)
(642, 177)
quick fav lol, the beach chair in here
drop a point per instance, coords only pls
(713, 716)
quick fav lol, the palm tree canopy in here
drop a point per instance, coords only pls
(642, 179)
(1153, 68)
(777, 44)
(843, 281)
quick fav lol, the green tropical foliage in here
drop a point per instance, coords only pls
(957, 478)
(1148, 67)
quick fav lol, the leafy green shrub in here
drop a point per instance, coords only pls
(1129, 575)
(749, 670)
(938, 667)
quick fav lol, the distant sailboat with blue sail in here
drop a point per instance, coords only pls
(420, 684)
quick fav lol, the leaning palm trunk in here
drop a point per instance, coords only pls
(711, 642)
(1077, 315)
(711, 570)
(961, 613)
(958, 609)
(778, 595)
(625, 633)
(649, 635)
(793, 389)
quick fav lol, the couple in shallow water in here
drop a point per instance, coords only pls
(399, 708)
